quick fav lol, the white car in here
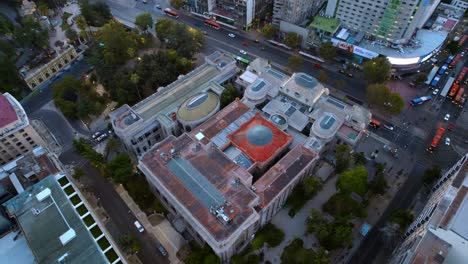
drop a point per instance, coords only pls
(389, 127)
(447, 141)
(447, 117)
(158, 6)
(435, 92)
(96, 135)
(243, 52)
(139, 226)
(231, 35)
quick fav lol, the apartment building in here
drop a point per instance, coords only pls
(17, 136)
(295, 11)
(439, 234)
(392, 20)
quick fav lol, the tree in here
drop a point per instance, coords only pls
(380, 96)
(43, 8)
(312, 185)
(71, 34)
(379, 184)
(129, 244)
(120, 168)
(31, 34)
(431, 175)
(144, 21)
(65, 96)
(112, 145)
(9, 77)
(295, 253)
(117, 41)
(228, 95)
(6, 27)
(293, 40)
(327, 51)
(78, 173)
(269, 234)
(420, 78)
(185, 40)
(96, 14)
(377, 69)
(269, 31)
(177, 4)
(322, 76)
(134, 78)
(342, 157)
(354, 180)
(402, 217)
(453, 47)
(359, 158)
(295, 62)
(330, 235)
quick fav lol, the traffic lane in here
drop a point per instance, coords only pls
(115, 207)
(57, 125)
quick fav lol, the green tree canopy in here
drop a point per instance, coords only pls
(177, 4)
(420, 78)
(270, 235)
(295, 62)
(71, 34)
(6, 27)
(129, 244)
(144, 21)
(354, 180)
(295, 253)
(293, 40)
(380, 96)
(269, 31)
(402, 217)
(185, 40)
(453, 47)
(322, 76)
(431, 175)
(30, 33)
(327, 51)
(342, 157)
(228, 95)
(312, 185)
(9, 77)
(117, 41)
(377, 69)
(120, 168)
(330, 235)
(96, 14)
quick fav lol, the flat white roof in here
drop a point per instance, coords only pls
(248, 77)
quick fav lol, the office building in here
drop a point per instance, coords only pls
(392, 20)
(17, 136)
(461, 4)
(57, 226)
(295, 11)
(440, 234)
(178, 107)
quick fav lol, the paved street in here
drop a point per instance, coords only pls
(121, 221)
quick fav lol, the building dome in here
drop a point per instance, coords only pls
(198, 107)
(259, 135)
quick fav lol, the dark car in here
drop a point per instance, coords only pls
(245, 43)
(256, 41)
(162, 250)
(451, 126)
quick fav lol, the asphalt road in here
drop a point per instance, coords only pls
(121, 219)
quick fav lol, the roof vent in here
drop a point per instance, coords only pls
(43, 194)
(67, 236)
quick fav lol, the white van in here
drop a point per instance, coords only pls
(139, 226)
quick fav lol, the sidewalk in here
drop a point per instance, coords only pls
(47, 136)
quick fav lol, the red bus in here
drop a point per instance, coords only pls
(455, 61)
(462, 40)
(459, 95)
(456, 85)
(212, 24)
(436, 139)
(171, 13)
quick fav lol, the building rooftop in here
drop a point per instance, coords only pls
(204, 181)
(198, 106)
(281, 174)
(303, 88)
(7, 112)
(281, 109)
(15, 249)
(259, 139)
(326, 24)
(51, 225)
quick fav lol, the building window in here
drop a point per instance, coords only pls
(19, 144)
(15, 140)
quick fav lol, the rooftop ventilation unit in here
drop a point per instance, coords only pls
(43, 194)
(67, 236)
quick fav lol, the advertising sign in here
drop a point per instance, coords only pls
(354, 49)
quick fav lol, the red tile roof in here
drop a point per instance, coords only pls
(7, 112)
(252, 139)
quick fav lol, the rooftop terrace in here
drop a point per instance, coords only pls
(329, 25)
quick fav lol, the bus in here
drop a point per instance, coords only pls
(279, 44)
(459, 95)
(212, 24)
(171, 13)
(420, 100)
(458, 81)
(307, 55)
(435, 81)
(436, 139)
(455, 61)
(431, 75)
(449, 59)
(443, 68)
(240, 59)
(462, 40)
(447, 86)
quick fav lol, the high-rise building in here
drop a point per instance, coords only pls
(294, 11)
(392, 20)
(17, 136)
(440, 234)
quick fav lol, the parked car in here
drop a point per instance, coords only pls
(139, 226)
(256, 41)
(389, 127)
(435, 92)
(245, 43)
(231, 35)
(96, 135)
(447, 141)
(243, 52)
(451, 126)
(158, 6)
(162, 250)
(447, 117)
(342, 71)
(350, 75)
